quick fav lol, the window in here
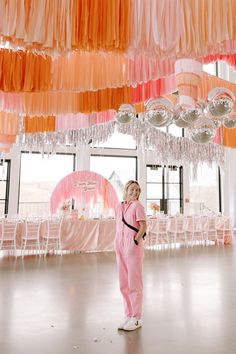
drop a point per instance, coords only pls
(38, 177)
(174, 130)
(165, 186)
(118, 170)
(210, 68)
(204, 189)
(115, 142)
(4, 185)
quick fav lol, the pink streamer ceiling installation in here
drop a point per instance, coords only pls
(78, 61)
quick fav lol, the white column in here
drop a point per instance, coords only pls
(141, 154)
(82, 161)
(228, 177)
(15, 157)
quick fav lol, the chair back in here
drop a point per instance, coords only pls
(162, 225)
(54, 228)
(9, 228)
(32, 229)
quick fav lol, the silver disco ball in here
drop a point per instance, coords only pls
(217, 122)
(203, 131)
(159, 112)
(190, 115)
(159, 118)
(230, 121)
(221, 101)
(179, 122)
(125, 114)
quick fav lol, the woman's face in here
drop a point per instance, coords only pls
(133, 192)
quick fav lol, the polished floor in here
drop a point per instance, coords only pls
(71, 304)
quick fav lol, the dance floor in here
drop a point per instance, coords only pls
(71, 304)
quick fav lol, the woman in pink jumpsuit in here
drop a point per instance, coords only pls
(129, 253)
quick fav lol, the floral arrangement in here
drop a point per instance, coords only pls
(66, 205)
(155, 206)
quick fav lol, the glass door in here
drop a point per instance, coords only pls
(165, 187)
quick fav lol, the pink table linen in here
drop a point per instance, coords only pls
(89, 235)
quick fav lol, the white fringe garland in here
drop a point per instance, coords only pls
(167, 148)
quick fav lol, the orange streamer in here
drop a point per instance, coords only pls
(229, 137)
(22, 71)
(39, 124)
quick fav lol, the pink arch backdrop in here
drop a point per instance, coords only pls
(87, 188)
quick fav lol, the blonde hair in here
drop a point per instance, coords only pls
(127, 185)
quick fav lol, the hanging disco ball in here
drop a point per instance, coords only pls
(203, 131)
(221, 101)
(177, 120)
(159, 112)
(125, 114)
(216, 122)
(191, 115)
(230, 121)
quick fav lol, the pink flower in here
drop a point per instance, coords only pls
(155, 206)
(66, 205)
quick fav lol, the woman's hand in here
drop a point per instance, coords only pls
(142, 229)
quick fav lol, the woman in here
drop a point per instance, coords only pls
(130, 229)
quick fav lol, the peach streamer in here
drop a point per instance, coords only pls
(9, 128)
(188, 29)
(67, 24)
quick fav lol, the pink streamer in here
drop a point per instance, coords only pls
(80, 120)
(153, 89)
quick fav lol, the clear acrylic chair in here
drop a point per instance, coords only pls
(210, 229)
(51, 238)
(157, 232)
(162, 231)
(30, 239)
(8, 234)
(176, 230)
(151, 233)
(224, 231)
(194, 230)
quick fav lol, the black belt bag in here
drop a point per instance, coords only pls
(133, 228)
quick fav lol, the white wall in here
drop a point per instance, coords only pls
(228, 183)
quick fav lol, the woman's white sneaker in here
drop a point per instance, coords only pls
(121, 326)
(132, 324)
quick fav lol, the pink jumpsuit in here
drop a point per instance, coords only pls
(130, 257)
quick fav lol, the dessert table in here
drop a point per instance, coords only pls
(88, 235)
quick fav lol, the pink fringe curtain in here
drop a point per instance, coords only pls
(79, 121)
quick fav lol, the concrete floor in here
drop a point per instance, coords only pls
(71, 304)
